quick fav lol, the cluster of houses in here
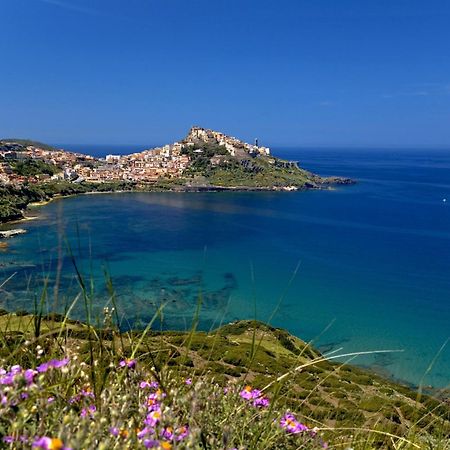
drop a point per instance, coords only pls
(146, 166)
(169, 161)
(67, 162)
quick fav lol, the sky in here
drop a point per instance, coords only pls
(332, 73)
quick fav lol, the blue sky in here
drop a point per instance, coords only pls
(292, 72)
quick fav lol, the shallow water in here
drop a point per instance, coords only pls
(374, 258)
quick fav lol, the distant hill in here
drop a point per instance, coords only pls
(26, 143)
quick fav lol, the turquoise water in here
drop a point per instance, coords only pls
(374, 258)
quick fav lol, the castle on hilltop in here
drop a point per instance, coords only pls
(232, 144)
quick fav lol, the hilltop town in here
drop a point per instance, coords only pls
(203, 160)
(148, 166)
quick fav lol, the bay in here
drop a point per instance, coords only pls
(361, 267)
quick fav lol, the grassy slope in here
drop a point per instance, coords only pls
(245, 171)
(335, 395)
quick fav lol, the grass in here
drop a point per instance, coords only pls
(97, 403)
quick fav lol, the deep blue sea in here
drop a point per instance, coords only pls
(373, 259)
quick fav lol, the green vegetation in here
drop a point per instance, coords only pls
(98, 393)
(32, 167)
(14, 199)
(211, 164)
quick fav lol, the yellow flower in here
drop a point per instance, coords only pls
(55, 444)
(166, 445)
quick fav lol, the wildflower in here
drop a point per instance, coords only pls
(182, 432)
(130, 363)
(89, 411)
(167, 433)
(150, 443)
(153, 418)
(50, 400)
(188, 381)
(153, 404)
(262, 402)
(256, 395)
(84, 393)
(145, 432)
(52, 364)
(292, 425)
(29, 375)
(46, 443)
(149, 384)
(246, 393)
(166, 445)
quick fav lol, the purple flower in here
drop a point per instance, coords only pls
(262, 402)
(182, 432)
(188, 381)
(149, 384)
(246, 393)
(89, 411)
(29, 375)
(256, 395)
(52, 364)
(46, 443)
(292, 425)
(16, 369)
(153, 418)
(145, 432)
(130, 363)
(167, 433)
(150, 443)
(119, 432)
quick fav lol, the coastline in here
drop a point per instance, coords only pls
(328, 184)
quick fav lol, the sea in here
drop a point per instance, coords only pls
(357, 268)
